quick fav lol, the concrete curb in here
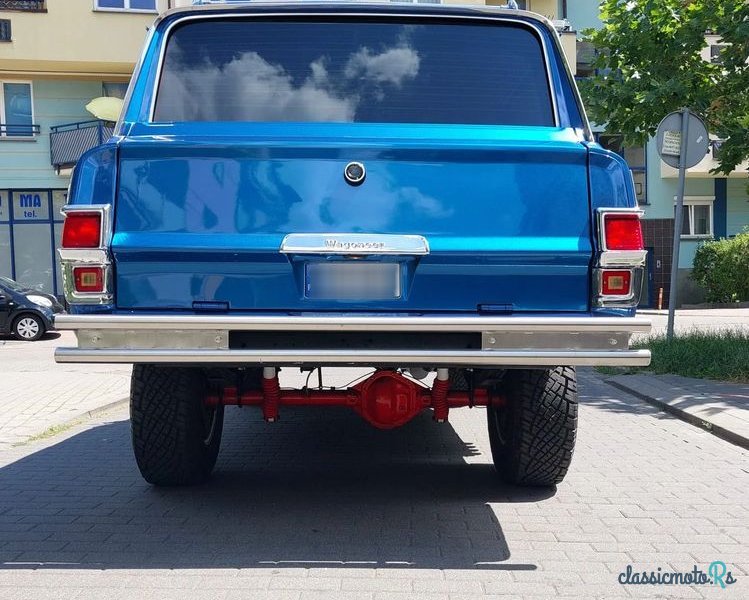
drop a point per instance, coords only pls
(103, 409)
(77, 420)
(717, 430)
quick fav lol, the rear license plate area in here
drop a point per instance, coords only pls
(352, 280)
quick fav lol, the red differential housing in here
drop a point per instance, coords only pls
(386, 399)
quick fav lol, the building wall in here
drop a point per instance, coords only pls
(658, 237)
(28, 237)
(66, 53)
(73, 40)
(583, 14)
(661, 194)
(548, 8)
(738, 206)
(704, 169)
(26, 163)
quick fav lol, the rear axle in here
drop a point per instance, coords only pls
(386, 399)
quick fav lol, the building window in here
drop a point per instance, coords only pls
(127, 5)
(23, 5)
(636, 158)
(16, 110)
(697, 218)
(5, 35)
(585, 55)
(111, 89)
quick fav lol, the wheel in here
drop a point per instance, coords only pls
(176, 437)
(28, 327)
(533, 436)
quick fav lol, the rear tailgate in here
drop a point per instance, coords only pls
(247, 141)
(505, 213)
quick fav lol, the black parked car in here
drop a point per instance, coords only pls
(26, 313)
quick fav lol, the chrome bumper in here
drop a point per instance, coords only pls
(504, 341)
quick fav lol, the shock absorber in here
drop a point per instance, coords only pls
(271, 394)
(440, 388)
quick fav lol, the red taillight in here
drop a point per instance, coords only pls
(88, 279)
(616, 283)
(82, 230)
(623, 232)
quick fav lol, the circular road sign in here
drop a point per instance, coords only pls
(668, 140)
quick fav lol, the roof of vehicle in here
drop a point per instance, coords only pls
(355, 6)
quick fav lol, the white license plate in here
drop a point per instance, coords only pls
(337, 280)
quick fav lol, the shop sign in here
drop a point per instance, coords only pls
(30, 205)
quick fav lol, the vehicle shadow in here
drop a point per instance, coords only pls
(47, 335)
(318, 489)
(50, 335)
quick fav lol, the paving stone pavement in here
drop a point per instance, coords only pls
(38, 394)
(320, 505)
(722, 408)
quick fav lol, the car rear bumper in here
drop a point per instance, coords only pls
(486, 341)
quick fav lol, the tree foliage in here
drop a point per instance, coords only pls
(649, 64)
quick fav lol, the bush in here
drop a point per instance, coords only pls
(722, 268)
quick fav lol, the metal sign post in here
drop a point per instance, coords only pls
(682, 142)
(678, 224)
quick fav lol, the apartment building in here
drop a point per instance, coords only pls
(715, 207)
(55, 57)
(58, 55)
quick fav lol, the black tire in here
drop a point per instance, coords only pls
(460, 379)
(176, 438)
(28, 327)
(533, 436)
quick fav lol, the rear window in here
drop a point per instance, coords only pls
(354, 71)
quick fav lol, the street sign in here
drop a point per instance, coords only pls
(681, 141)
(669, 135)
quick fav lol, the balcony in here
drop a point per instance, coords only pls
(704, 169)
(68, 142)
(24, 5)
(18, 131)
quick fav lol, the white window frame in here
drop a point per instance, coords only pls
(126, 8)
(5, 136)
(689, 203)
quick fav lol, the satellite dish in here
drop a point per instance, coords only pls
(105, 108)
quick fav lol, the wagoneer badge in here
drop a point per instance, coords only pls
(354, 173)
(354, 243)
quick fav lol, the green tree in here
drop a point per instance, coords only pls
(649, 64)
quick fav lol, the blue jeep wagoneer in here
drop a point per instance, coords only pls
(413, 189)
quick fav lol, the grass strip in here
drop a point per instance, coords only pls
(721, 355)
